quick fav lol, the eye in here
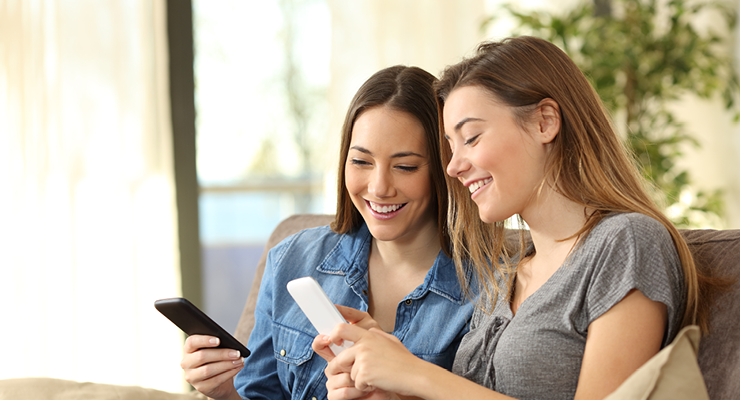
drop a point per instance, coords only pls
(407, 168)
(358, 162)
(472, 140)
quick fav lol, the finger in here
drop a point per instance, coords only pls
(339, 365)
(213, 374)
(195, 342)
(343, 332)
(357, 317)
(339, 380)
(320, 346)
(352, 315)
(213, 383)
(346, 393)
(202, 357)
(340, 386)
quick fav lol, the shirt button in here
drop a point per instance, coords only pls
(364, 291)
(282, 352)
(314, 398)
(408, 302)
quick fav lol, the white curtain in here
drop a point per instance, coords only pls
(87, 211)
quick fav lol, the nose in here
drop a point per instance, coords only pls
(458, 165)
(381, 184)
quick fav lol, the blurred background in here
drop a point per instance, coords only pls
(149, 147)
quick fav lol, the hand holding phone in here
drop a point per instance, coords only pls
(193, 321)
(317, 306)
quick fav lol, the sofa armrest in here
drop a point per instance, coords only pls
(60, 389)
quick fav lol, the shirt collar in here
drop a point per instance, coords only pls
(349, 258)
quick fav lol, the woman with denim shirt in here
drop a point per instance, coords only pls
(386, 254)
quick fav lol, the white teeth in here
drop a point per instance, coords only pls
(477, 184)
(384, 209)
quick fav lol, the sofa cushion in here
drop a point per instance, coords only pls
(672, 374)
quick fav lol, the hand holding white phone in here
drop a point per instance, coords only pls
(317, 306)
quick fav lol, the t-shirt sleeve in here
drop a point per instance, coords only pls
(635, 252)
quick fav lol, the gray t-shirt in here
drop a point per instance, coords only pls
(537, 354)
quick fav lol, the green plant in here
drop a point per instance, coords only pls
(642, 55)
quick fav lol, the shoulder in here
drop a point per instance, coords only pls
(630, 230)
(307, 239)
(630, 223)
(313, 244)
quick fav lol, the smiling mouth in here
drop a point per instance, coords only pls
(385, 209)
(478, 184)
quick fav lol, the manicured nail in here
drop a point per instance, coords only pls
(240, 361)
(213, 341)
(234, 354)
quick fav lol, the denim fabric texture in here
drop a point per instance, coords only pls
(430, 321)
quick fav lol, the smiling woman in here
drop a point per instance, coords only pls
(384, 255)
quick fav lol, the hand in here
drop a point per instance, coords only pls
(341, 387)
(377, 360)
(355, 317)
(209, 370)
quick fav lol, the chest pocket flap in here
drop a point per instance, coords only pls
(292, 346)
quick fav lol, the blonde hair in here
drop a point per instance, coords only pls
(588, 164)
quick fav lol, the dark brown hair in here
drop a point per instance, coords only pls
(588, 164)
(401, 88)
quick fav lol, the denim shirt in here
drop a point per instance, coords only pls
(430, 321)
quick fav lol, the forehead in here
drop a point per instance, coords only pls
(385, 129)
(468, 99)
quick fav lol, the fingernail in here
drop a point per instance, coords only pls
(213, 340)
(240, 361)
(326, 338)
(234, 354)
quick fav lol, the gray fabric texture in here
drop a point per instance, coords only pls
(537, 354)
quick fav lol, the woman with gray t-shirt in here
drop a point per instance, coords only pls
(604, 284)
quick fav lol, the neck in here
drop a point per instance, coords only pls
(552, 218)
(415, 253)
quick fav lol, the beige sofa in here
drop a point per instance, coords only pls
(719, 352)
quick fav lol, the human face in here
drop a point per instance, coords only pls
(499, 162)
(387, 174)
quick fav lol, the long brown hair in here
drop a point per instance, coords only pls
(407, 89)
(588, 164)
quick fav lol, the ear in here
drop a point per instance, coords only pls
(548, 120)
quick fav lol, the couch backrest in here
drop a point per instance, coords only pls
(718, 251)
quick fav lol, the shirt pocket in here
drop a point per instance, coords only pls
(292, 346)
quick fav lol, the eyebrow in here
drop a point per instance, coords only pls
(394, 155)
(462, 122)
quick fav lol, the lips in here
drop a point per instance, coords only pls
(384, 211)
(473, 187)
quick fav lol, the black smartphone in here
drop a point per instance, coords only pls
(193, 321)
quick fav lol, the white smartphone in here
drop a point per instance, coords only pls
(317, 306)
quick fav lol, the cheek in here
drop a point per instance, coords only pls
(419, 188)
(352, 180)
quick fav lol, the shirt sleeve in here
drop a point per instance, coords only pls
(635, 252)
(259, 378)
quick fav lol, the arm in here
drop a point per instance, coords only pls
(619, 342)
(380, 361)
(260, 379)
